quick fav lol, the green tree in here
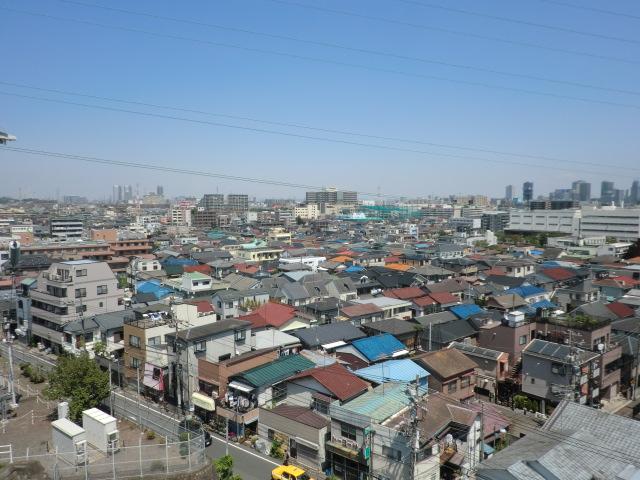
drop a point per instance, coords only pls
(80, 381)
(224, 468)
(633, 251)
(100, 348)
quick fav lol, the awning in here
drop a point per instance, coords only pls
(241, 386)
(400, 353)
(307, 443)
(328, 346)
(204, 402)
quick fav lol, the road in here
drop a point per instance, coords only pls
(247, 463)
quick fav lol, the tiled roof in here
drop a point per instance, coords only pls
(444, 298)
(446, 363)
(276, 371)
(205, 269)
(203, 306)
(301, 415)
(401, 267)
(406, 293)
(620, 309)
(359, 310)
(425, 301)
(270, 313)
(558, 274)
(342, 383)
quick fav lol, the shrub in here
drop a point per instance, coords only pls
(151, 434)
(157, 466)
(184, 444)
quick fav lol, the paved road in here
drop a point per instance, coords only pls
(247, 463)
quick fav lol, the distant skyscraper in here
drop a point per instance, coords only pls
(618, 196)
(128, 193)
(114, 195)
(581, 191)
(508, 193)
(634, 194)
(606, 192)
(527, 191)
(160, 190)
(120, 193)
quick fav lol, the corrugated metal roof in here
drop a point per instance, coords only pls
(380, 403)
(378, 347)
(276, 371)
(466, 310)
(404, 370)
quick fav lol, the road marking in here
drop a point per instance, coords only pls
(247, 451)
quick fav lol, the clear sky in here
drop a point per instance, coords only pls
(194, 66)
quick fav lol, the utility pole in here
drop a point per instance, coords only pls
(110, 391)
(9, 340)
(138, 383)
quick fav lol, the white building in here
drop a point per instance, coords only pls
(311, 262)
(66, 228)
(309, 211)
(552, 221)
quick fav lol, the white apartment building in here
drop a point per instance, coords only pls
(552, 221)
(70, 291)
(310, 211)
(66, 228)
(181, 215)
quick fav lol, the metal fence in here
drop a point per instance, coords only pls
(135, 461)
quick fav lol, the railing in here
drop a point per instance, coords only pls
(58, 278)
(611, 378)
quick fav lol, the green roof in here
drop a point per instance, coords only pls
(276, 371)
(382, 402)
(28, 281)
(197, 276)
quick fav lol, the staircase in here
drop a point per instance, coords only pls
(516, 370)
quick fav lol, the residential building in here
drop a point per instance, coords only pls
(66, 228)
(238, 202)
(212, 201)
(331, 196)
(68, 291)
(511, 335)
(308, 211)
(451, 372)
(232, 303)
(492, 367)
(137, 268)
(495, 221)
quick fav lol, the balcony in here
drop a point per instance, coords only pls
(246, 417)
(614, 353)
(611, 378)
(52, 277)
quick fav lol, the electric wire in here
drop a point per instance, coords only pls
(449, 31)
(331, 62)
(352, 49)
(313, 128)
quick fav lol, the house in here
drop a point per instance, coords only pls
(278, 316)
(324, 311)
(451, 286)
(403, 370)
(510, 335)
(406, 293)
(452, 372)
(377, 348)
(616, 287)
(407, 332)
(573, 296)
(391, 307)
(318, 387)
(191, 284)
(492, 367)
(231, 303)
(359, 314)
(529, 293)
(466, 310)
(517, 268)
(330, 336)
(258, 386)
(505, 303)
(440, 329)
(286, 343)
(301, 431)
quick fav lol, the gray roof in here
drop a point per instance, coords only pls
(476, 351)
(211, 329)
(329, 333)
(435, 318)
(394, 326)
(597, 310)
(240, 282)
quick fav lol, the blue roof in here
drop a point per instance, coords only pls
(378, 347)
(154, 288)
(354, 268)
(403, 370)
(544, 304)
(466, 310)
(525, 291)
(179, 261)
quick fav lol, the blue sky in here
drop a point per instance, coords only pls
(82, 58)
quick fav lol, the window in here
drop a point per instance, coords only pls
(81, 273)
(156, 373)
(228, 305)
(102, 289)
(522, 340)
(465, 381)
(81, 292)
(320, 406)
(279, 392)
(81, 308)
(270, 434)
(452, 387)
(391, 453)
(88, 337)
(240, 336)
(224, 357)
(348, 431)
(557, 368)
(135, 363)
(100, 304)
(134, 341)
(200, 346)
(153, 340)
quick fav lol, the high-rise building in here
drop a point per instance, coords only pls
(238, 202)
(128, 193)
(606, 192)
(332, 196)
(508, 193)
(212, 201)
(634, 193)
(120, 193)
(618, 196)
(114, 194)
(527, 191)
(581, 191)
(160, 190)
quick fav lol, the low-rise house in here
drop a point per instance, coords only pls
(278, 316)
(392, 307)
(330, 336)
(529, 293)
(506, 303)
(452, 372)
(511, 335)
(452, 286)
(573, 296)
(377, 348)
(138, 267)
(492, 367)
(233, 303)
(616, 287)
(360, 314)
(407, 332)
(300, 430)
(517, 268)
(191, 284)
(403, 370)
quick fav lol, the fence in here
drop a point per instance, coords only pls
(128, 462)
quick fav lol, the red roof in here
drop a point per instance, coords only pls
(425, 301)
(406, 293)
(499, 271)
(203, 306)
(626, 281)
(392, 259)
(342, 383)
(206, 269)
(444, 297)
(247, 268)
(620, 309)
(270, 314)
(558, 274)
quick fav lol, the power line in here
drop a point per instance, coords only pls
(352, 49)
(329, 61)
(592, 9)
(518, 21)
(452, 32)
(260, 130)
(307, 127)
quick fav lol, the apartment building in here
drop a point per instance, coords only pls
(69, 291)
(309, 211)
(66, 228)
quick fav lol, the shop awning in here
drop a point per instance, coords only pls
(241, 386)
(307, 443)
(204, 402)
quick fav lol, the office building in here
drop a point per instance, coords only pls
(527, 192)
(238, 202)
(494, 221)
(212, 201)
(160, 190)
(66, 227)
(607, 192)
(581, 191)
(634, 193)
(508, 193)
(332, 196)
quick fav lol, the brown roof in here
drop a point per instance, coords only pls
(342, 383)
(620, 309)
(302, 415)
(444, 297)
(353, 361)
(360, 309)
(406, 293)
(558, 273)
(446, 363)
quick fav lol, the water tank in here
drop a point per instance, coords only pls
(63, 410)
(14, 253)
